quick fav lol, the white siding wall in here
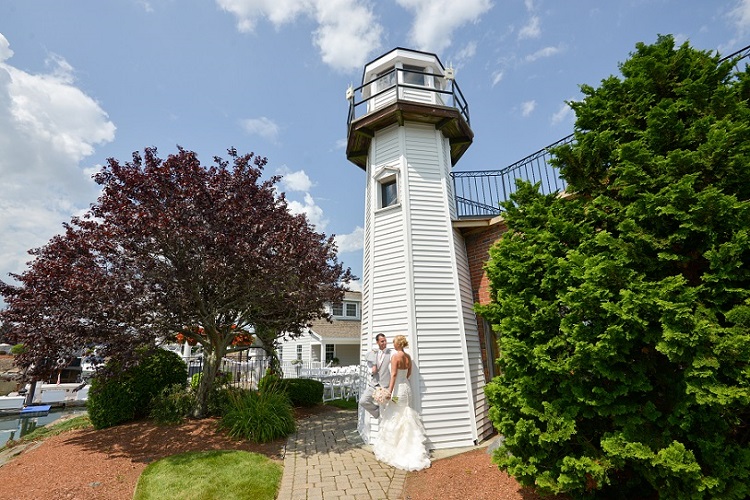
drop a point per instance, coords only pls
(416, 282)
(473, 346)
(389, 259)
(383, 250)
(289, 348)
(446, 402)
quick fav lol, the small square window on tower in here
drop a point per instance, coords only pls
(386, 187)
(388, 192)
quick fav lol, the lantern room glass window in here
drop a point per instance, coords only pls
(386, 79)
(414, 75)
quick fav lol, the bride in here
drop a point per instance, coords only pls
(401, 436)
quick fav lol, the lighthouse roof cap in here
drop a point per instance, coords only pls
(408, 56)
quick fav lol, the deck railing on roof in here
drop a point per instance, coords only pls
(479, 193)
(405, 85)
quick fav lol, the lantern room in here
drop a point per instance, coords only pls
(406, 85)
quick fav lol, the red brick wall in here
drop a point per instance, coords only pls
(478, 243)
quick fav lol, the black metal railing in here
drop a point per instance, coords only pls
(395, 85)
(479, 193)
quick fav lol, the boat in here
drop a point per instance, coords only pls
(11, 404)
(35, 411)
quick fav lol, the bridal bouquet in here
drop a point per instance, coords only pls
(380, 396)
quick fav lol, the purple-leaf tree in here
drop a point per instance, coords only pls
(174, 247)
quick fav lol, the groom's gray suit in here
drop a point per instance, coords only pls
(382, 377)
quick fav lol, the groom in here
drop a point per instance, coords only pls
(379, 364)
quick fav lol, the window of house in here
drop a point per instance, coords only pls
(351, 310)
(330, 352)
(345, 310)
(299, 352)
(414, 75)
(388, 192)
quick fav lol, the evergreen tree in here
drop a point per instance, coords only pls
(623, 309)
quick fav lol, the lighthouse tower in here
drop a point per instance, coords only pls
(408, 125)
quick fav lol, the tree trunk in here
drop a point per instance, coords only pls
(206, 386)
(273, 361)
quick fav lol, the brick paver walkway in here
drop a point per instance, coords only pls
(326, 459)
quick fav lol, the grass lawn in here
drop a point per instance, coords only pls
(225, 475)
(344, 404)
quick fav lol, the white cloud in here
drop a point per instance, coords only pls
(497, 76)
(279, 12)
(347, 33)
(355, 286)
(262, 127)
(295, 181)
(545, 52)
(564, 113)
(531, 30)
(527, 108)
(436, 20)
(352, 242)
(146, 5)
(311, 210)
(741, 15)
(465, 54)
(5, 52)
(47, 127)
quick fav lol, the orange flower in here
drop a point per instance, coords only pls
(242, 339)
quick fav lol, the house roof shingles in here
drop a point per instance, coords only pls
(339, 329)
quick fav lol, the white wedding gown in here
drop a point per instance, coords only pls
(401, 436)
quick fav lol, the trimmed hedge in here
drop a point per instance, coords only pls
(126, 395)
(303, 391)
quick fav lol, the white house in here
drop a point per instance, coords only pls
(326, 342)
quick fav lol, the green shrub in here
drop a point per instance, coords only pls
(17, 349)
(126, 395)
(195, 380)
(110, 402)
(220, 399)
(259, 416)
(159, 369)
(623, 310)
(269, 379)
(303, 391)
(172, 405)
(222, 378)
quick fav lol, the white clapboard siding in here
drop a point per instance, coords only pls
(385, 148)
(473, 345)
(445, 397)
(416, 95)
(416, 282)
(382, 100)
(365, 341)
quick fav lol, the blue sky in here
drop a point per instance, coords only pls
(87, 80)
